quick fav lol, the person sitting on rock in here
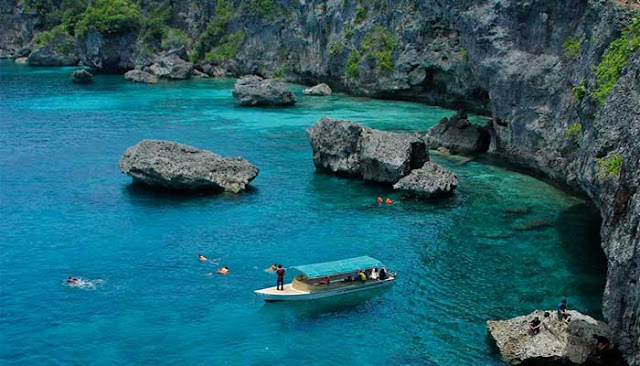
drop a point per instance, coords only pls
(562, 311)
(534, 326)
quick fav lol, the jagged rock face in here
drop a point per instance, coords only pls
(320, 90)
(168, 164)
(336, 145)
(60, 52)
(253, 90)
(616, 132)
(139, 76)
(557, 342)
(429, 182)
(81, 76)
(458, 135)
(171, 66)
(348, 148)
(388, 156)
(109, 53)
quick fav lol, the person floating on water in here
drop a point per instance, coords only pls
(388, 201)
(379, 199)
(202, 257)
(224, 270)
(273, 268)
(280, 280)
(72, 280)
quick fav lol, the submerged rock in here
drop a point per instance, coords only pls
(253, 90)
(537, 223)
(349, 148)
(177, 166)
(458, 135)
(557, 341)
(318, 90)
(139, 76)
(429, 182)
(81, 76)
(21, 60)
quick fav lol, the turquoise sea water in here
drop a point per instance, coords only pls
(66, 210)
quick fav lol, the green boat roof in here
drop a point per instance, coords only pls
(337, 267)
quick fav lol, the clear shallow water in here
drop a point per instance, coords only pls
(67, 211)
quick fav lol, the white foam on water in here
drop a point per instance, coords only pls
(87, 285)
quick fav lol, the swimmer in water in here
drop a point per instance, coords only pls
(223, 270)
(379, 200)
(202, 257)
(389, 201)
(273, 268)
(72, 280)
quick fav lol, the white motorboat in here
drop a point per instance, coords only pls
(327, 279)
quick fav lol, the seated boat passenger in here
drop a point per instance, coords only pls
(325, 281)
(362, 276)
(383, 274)
(374, 273)
(348, 279)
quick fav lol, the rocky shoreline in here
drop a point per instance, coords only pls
(534, 67)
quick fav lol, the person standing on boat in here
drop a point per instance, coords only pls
(280, 281)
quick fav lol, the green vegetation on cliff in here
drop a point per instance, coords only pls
(226, 49)
(579, 91)
(571, 47)
(609, 166)
(110, 17)
(615, 59)
(63, 42)
(573, 132)
(361, 15)
(353, 63)
(379, 44)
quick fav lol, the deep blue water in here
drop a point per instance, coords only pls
(66, 210)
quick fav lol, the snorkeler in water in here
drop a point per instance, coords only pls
(202, 257)
(72, 280)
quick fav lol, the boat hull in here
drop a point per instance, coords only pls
(290, 294)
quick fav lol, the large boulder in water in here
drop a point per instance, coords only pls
(346, 147)
(557, 342)
(177, 166)
(81, 76)
(320, 90)
(171, 65)
(253, 90)
(458, 135)
(429, 182)
(139, 76)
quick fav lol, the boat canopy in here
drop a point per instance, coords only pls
(337, 267)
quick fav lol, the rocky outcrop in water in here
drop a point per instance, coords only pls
(557, 342)
(252, 90)
(171, 165)
(320, 90)
(139, 76)
(428, 182)
(60, 51)
(348, 148)
(172, 65)
(458, 135)
(81, 76)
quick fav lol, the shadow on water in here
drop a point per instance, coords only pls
(317, 309)
(155, 196)
(579, 231)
